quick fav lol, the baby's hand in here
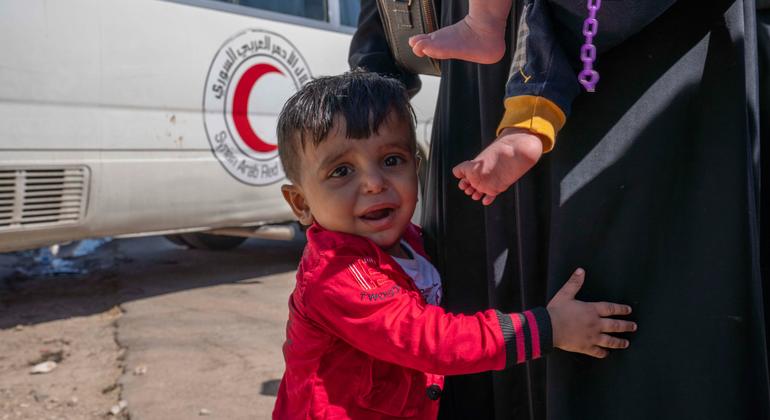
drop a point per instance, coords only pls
(498, 166)
(581, 327)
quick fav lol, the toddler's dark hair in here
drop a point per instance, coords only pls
(364, 100)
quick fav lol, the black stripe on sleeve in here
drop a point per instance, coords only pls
(527, 334)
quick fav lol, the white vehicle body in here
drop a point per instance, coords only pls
(120, 117)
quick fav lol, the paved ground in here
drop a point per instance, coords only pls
(173, 333)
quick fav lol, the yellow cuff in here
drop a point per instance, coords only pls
(536, 114)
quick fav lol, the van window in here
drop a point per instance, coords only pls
(311, 9)
(349, 10)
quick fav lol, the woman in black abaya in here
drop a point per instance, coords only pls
(653, 186)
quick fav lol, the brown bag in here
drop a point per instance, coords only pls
(403, 19)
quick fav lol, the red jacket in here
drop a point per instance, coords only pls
(361, 343)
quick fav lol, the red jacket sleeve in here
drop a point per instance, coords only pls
(358, 302)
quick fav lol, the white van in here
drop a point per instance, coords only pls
(144, 117)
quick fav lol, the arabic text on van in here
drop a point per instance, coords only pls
(262, 46)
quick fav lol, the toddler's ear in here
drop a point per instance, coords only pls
(296, 199)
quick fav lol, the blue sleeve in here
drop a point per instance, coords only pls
(540, 66)
(546, 60)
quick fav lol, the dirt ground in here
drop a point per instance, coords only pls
(147, 330)
(72, 323)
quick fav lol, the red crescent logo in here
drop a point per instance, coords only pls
(241, 107)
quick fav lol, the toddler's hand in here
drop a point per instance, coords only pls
(581, 327)
(498, 166)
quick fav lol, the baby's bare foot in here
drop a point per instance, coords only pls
(499, 165)
(469, 39)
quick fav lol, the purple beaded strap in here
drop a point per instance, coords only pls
(589, 77)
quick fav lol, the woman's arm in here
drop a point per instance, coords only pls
(369, 49)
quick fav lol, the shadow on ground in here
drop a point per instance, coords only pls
(128, 269)
(270, 387)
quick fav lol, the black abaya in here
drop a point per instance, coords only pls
(653, 187)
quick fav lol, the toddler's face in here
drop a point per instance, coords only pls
(366, 187)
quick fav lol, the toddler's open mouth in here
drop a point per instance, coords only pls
(378, 214)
